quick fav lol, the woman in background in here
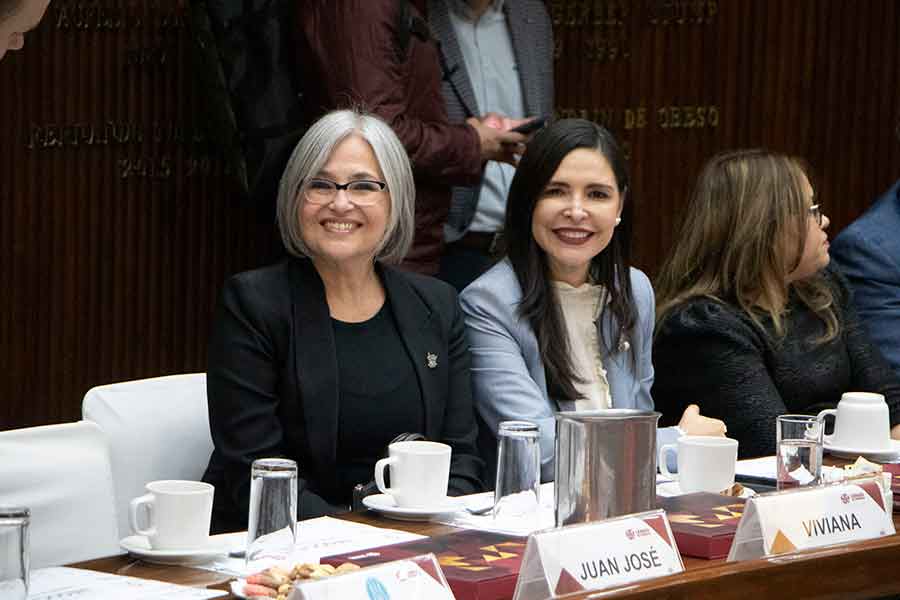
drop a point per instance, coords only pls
(327, 356)
(752, 324)
(564, 322)
(18, 17)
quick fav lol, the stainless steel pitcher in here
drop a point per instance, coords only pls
(605, 464)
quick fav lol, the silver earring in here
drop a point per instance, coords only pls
(618, 220)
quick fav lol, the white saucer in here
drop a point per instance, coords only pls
(673, 488)
(891, 454)
(384, 504)
(139, 546)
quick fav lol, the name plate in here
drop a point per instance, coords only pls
(802, 518)
(408, 579)
(598, 555)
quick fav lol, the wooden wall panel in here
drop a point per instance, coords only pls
(112, 252)
(818, 79)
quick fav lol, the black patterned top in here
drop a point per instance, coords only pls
(712, 354)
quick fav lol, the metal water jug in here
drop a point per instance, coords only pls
(605, 464)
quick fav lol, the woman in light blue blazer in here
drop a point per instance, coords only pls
(555, 326)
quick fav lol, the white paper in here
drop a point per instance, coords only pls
(316, 538)
(765, 467)
(521, 526)
(524, 526)
(65, 583)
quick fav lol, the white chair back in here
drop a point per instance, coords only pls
(62, 474)
(157, 429)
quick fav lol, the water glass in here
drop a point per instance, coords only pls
(14, 553)
(272, 521)
(799, 440)
(518, 485)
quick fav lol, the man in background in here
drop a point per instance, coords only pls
(868, 253)
(498, 58)
(379, 55)
(18, 17)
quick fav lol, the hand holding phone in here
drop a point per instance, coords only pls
(531, 126)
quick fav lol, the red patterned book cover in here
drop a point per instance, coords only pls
(703, 524)
(894, 470)
(478, 565)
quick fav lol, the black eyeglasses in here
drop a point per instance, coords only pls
(815, 211)
(362, 192)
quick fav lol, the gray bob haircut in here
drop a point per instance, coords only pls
(311, 154)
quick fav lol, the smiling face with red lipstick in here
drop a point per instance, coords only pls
(576, 213)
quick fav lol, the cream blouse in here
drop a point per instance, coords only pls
(580, 308)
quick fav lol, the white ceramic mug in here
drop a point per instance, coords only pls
(179, 514)
(420, 472)
(705, 463)
(861, 423)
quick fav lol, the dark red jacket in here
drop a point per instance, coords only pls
(350, 56)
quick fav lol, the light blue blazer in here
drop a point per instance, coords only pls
(508, 380)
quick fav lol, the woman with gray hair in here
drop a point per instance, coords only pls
(18, 17)
(328, 355)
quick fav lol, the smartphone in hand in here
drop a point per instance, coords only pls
(531, 126)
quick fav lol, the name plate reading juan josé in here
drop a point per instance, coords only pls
(802, 518)
(408, 579)
(598, 555)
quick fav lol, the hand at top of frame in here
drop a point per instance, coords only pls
(693, 423)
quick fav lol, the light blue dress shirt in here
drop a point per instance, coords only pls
(491, 65)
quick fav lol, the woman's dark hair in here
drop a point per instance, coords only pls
(609, 268)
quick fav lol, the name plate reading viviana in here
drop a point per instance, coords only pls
(802, 518)
(598, 555)
(408, 579)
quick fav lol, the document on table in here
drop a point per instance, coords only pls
(514, 525)
(522, 525)
(316, 538)
(758, 468)
(65, 583)
(765, 470)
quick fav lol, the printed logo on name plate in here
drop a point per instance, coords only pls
(376, 590)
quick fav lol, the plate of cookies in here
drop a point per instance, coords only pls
(277, 582)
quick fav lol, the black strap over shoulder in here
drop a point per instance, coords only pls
(245, 59)
(409, 24)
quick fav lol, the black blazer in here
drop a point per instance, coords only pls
(272, 382)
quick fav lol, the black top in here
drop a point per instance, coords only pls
(273, 383)
(379, 396)
(712, 354)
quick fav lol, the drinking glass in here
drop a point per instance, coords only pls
(14, 553)
(272, 521)
(518, 485)
(799, 440)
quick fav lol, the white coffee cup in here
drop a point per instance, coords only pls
(705, 463)
(861, 423)
(179, 514)
(420, 472)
